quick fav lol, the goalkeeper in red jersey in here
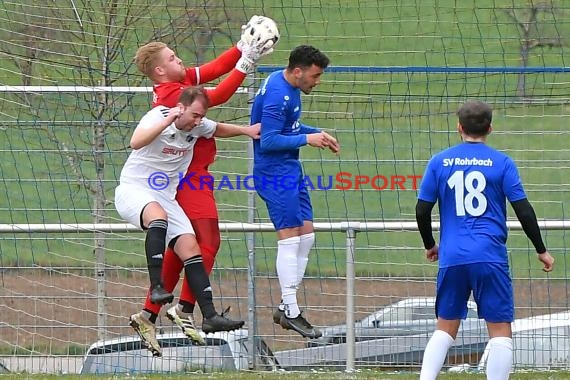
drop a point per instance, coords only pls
(160, 64)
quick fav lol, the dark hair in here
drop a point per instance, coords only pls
(191, 94)
(475, 117)
(305, 56)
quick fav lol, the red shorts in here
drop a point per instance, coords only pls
(197, 201)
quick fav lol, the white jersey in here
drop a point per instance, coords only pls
(160, 164)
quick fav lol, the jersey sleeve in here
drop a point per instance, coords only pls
(428, 186)
(307, 130)
(218, 66)
(512, 184)
(273, 118)
(206, 129)
(152, 117)
(224, 91)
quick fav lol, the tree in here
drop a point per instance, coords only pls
(536, 26)
(91, 43)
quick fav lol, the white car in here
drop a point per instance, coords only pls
(539, 343)
(410, 316)
(224, 351)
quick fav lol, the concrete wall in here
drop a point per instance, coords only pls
(43, 364)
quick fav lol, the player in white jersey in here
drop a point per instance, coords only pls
(163, 145)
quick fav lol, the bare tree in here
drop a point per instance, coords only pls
(535, 32)
(91, 43)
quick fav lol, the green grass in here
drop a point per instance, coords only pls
(387, 123)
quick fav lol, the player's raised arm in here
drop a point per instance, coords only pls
(223, 92)
(150, 127)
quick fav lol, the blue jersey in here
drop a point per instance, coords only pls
(277, 106)
(471, 183)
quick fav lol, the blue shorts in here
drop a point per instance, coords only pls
(491, 286)
(288, 206)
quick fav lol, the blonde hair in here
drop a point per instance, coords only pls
(146, 56)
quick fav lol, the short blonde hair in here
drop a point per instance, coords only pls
(146, 57)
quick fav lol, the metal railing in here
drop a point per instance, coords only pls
(350, 229)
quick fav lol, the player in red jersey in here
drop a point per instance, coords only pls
(157, 61)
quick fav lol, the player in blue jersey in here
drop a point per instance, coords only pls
(277, 106)
(471, 183)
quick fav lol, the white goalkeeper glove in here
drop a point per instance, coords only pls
(249, 57)
(250, 54)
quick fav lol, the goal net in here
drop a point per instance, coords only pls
(71, 271)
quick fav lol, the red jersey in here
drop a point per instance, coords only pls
(167, 94)
(195, 204)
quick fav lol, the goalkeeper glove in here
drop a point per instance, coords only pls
(250, 54)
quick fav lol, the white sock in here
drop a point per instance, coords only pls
(500, 358)
(287, 272)
(434, 354)
(307, 241)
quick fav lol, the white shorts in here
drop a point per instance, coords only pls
(130, 201)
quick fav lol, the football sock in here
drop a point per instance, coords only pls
(208, 258)
(171, 267)
(208, 237)
(500, 358)
(305, 245)
(287, 272)
(434, 354)
(155, 242)
(149, 315)
(180, 310)
(186, 307)
(199, 283)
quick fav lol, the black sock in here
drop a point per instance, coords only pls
(198, 280)
(154, 247)
(187, 307)
(152, 316)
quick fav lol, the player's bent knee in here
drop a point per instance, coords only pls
(153, 211)
(185, 246)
